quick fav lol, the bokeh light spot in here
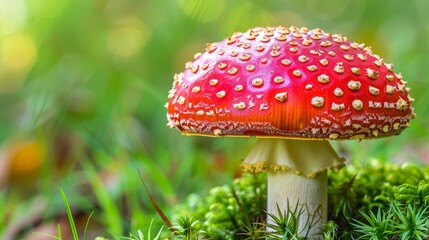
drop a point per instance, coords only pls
(13, 14)
(19, 52)
(24, 158)
(128, 37)
(47, 8)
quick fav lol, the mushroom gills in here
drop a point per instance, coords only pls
(302, 157)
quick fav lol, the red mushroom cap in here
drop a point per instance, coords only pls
(289, 82)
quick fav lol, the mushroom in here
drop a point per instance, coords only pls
(294, 89)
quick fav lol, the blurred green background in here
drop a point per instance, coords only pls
(82, 89)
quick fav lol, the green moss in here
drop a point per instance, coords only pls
(357, 189)
(225, 209)
(229, 211)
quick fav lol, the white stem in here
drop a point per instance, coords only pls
(296, 174)
(285, 190)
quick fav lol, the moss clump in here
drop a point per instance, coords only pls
(357, 189)
(225, 209)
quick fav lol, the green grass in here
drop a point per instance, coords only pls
(111, 213)
(2, 209)
(72, 224)
(70, 217)
(141, 236)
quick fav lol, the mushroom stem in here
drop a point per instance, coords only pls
(286, 190)
(297, 174)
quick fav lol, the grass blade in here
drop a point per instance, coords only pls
(157, 208)
(86, 225)
(111, 212)
(59, 231)
(70, 216)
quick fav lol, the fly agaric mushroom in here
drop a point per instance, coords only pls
(290, 87)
